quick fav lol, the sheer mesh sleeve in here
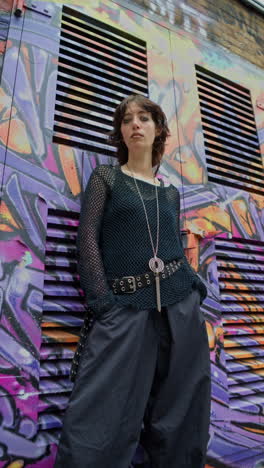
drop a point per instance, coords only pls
(98, 295)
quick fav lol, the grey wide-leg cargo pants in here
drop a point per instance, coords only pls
(135, 366)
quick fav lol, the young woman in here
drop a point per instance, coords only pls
(146, 358)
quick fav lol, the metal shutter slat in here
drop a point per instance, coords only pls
(234, 144)
(226, 118)
(245, 389)
(256, 376)
(62, 304)
(240, 341)
(60, 261)
(61, 276)
(90, 94)
(53, 248)
(243, 329)
(120, 89)
(241, 297)
(247, 257)
(237, 89)
(57, 234)
(228, 113)
(101, 71)
(98, 67)
(224, 102)
(103, 28)
(245, 353)
(59, 336)
(229, 129)
(216, 122)
(52, 402)
(234, 148)
(51, 386)
(54, 368)
(241, 287)
(257, 276)
(239, 365)
(242, 318)
(255, 402)
(56, 352)
(225, 134)
(240, 265)
(120, 59)
(49, 421)
(246, 307)
(95, 101)
(252, 180)
(65, 319)
(222, 158)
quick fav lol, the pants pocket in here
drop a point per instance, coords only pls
(109, 314)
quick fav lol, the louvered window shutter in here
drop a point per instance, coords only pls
(231, 142)
(98, 67)
(62, 318)
(241, 279)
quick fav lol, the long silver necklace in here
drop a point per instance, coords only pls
(155, 263)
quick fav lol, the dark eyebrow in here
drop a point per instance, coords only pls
(140, 112)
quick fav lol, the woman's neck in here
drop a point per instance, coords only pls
(140, 166)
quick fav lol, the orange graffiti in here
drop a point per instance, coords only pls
(60, 336)
(18, 139)
(26, 62)
(211, 334)
(259, 199)
(5, 101)
(2, 47)
(7, 222)
(67, 159)
(242, 211)
(187, 162)
(210, 221)
(15, 130)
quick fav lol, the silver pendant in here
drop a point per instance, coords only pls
(157, 280)
(156, 265)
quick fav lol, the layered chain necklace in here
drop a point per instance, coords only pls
(155, 263)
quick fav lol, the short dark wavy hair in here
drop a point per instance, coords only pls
(159, 118)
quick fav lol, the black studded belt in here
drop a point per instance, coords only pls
(130, 284)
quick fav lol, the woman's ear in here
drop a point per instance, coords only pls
(158, 131)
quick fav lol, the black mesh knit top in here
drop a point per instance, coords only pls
(113, 240)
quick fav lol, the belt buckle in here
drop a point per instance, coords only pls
(133, 283)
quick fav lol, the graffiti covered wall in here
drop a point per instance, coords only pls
(40, 178)
(5, 12)
(230, 24)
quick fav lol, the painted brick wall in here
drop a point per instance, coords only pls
(5, 11)
(229, 23)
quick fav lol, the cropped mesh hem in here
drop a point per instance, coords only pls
(201, 288)
(197, 281)
(101, 305)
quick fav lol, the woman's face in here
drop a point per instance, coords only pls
(138, 129)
